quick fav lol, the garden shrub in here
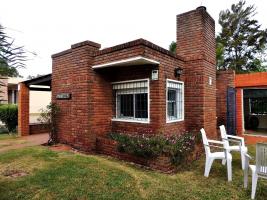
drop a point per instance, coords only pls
(147, 146)
(9, 116)
(48, 119)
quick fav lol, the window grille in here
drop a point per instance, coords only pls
(175, 101)
(131, 100)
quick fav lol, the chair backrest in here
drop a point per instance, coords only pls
(205, 141)
(261, 159)
(224, 136)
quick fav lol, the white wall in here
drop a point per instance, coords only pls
(38, 100)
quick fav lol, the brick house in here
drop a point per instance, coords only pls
(138, 87)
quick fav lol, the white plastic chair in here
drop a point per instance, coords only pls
(240, 144)
(259, 170)
(211, 156)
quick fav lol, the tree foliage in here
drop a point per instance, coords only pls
(11, 56)
(172, 47)
(241, 43)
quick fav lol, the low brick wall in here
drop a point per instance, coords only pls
(37, 129)
(109, 147)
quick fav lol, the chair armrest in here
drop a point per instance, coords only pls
(215, 142)
(231, 140)
(216, 146)
(237, 138)
(249, 157)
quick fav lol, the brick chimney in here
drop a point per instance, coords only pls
(196, 44)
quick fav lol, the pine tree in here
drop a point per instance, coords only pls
(241, 43)
(11, 57)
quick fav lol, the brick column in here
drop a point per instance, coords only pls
(196, 44)
(71, 73)
(23, 110)
(239, 111)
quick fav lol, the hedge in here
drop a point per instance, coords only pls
(9, 116)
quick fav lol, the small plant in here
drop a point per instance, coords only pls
(9, 116)
(147, 146)
(48, 119)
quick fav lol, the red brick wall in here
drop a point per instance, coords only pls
(71, 75)
(38, 128)
(23, 110)
(196, 44)
(225, 79)
(168, 62)
(251, 80)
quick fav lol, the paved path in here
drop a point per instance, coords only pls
(20, 142)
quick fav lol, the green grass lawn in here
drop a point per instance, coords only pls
(5, 136)
(65, 175)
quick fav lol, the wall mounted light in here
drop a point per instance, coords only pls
(178, 72)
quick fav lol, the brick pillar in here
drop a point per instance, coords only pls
(71, 73)
(239, 111)
(23, 110)
(196, 44)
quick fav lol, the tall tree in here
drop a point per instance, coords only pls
(241, 42)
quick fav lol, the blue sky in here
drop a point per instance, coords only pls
(50, 26)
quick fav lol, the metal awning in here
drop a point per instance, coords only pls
(41, 83)
(139, 60)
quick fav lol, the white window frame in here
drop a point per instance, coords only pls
(167, 118)
(148, 103)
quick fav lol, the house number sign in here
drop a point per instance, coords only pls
(64, 96)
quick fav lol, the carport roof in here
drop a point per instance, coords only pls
(40, 81)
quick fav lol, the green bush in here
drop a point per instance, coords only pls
(9, 116)
(177, 147)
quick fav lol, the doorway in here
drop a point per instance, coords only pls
(255, 110)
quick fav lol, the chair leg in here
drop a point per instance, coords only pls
(229, 169)
(246, 177)
(243, 159)
(208, 165)
(254, 185)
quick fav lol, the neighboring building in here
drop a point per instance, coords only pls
(9, 92)
(251, 102)
(39, 99)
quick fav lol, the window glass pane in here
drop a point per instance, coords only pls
(126, 105)
(258, 105)
(141, 106)
(172, 106)
(131, 100)
(174, 101)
